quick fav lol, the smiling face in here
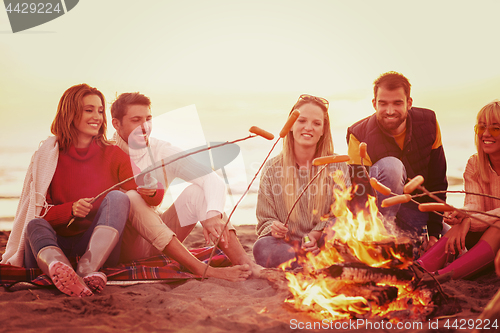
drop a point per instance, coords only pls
(309, 126)
(392, 109)
(489, 143)
(135, 126)
(90, 121)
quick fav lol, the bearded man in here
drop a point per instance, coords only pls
(402, 142)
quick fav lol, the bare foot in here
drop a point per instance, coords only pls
(256, 270)
(232, 273)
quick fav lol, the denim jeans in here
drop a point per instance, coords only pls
(391, 172)
(270, 252)
(113, 212)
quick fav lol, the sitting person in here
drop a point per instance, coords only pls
(403, 141)
(283, 179)
(482, 175)
(67, 171)
(148, 232)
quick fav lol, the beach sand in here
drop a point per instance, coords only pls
(210, 306)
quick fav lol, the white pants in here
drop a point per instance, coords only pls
(147, 232)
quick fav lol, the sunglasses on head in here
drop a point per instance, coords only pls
(309, 98)
(494, 130)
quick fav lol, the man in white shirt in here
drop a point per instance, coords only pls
(148, 232)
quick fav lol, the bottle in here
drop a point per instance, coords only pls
(423, 239)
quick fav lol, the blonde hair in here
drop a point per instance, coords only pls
(490, 113)
(70, 110)
(324, 147)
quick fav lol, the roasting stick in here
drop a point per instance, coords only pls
(462, 192)
(325, 161)
(441, 205)
(284, 131)
(163, 164)
(423, 189)
(376, 185)
(362, 155)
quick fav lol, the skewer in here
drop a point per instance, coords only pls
(284, 131)
(441, 205)
(362, 155)
(158, 165)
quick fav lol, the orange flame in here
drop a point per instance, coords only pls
(361, 235)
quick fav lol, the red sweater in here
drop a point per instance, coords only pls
(84, 173)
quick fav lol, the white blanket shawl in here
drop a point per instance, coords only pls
(36, 183)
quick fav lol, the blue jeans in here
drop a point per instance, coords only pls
(113, 212)
(391, 172)
(271, 252)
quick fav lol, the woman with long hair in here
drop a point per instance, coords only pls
(65, 173)
(482, 175)
(284, 178)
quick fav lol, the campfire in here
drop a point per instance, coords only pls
(363, 271)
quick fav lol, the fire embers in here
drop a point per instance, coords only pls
(362, 272)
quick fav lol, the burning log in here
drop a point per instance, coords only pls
(362, 273)
(390, 253)
(379, 295)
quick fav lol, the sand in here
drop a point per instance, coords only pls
(214, 305)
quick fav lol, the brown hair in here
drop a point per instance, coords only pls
(490, 113)
(391, 81)
(119, 106)
(70, 110)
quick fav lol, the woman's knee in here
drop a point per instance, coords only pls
(34, 226)
(270, 252)
(119, 199)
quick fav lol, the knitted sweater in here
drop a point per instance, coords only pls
(38, 177)
(271, 200)
(84, 173)
(474, 183)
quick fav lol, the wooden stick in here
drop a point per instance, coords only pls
(303, 191)
(163, 164)
(234, 208)
(464, 212)
(284, 131)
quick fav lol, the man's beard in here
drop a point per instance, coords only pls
(390, 126)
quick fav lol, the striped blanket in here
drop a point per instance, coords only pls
(158, 267)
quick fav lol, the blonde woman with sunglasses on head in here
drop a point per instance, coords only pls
(482, 175)
(283, 180)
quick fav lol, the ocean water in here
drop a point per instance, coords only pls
(207, 122)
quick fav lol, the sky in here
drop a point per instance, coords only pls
(232, 57)
(244, 63)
